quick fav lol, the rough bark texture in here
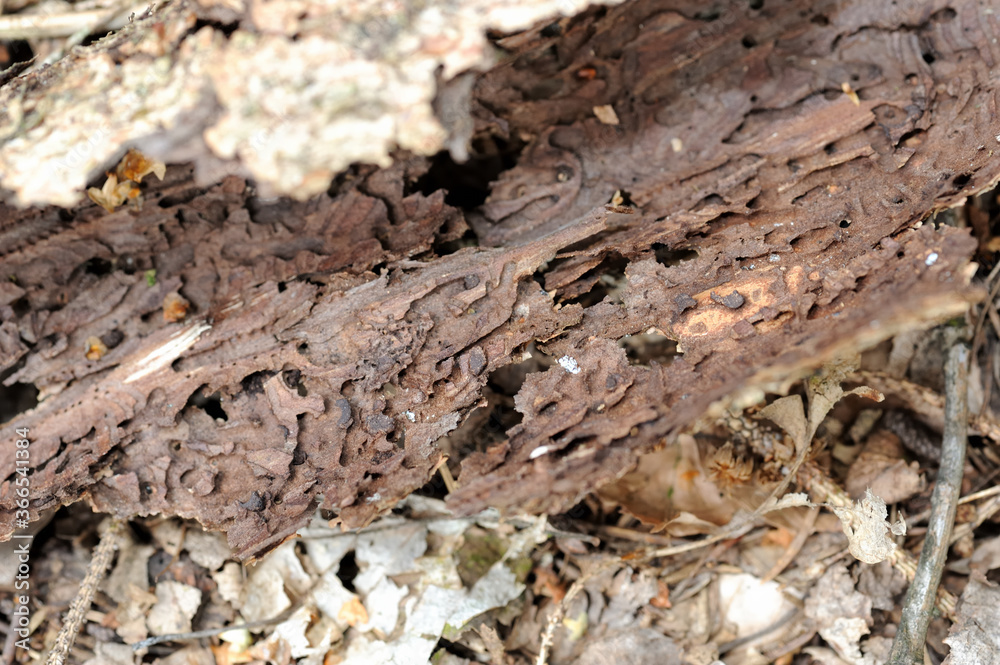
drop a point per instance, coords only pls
(766, 218)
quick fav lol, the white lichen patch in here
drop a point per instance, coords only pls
(569, 364)
(316, 86)
(50, 147)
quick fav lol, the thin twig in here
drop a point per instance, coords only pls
(977, 335)
(926, 404)
(983, 513)
(981, 494)
(737, 527)
(28, 26)
(103, 554)
(7, 656)
(795, 546)
(609, 531)
(211, 632)
(725, 533)
(766, 630)
(446, 477)
(560, 609)
(975, 496)
(827, 491)
(908, 647)
(556, 617)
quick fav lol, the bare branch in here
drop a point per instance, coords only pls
(908, 646)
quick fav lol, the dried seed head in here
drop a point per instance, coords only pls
(726, 469)
(175, 307)
(95, 348)
(135, 166)
(112, 194)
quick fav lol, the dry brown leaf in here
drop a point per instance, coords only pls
(974, 637)
(788, 414)
(824, 389)
(780, 536)
(176, 605)
(662, 598)
(987, 555)
(841, 614)
(881, 467)
(671, 488)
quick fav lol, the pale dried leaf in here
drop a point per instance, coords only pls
(749, 605)
(882, 583)
(111, 654)
(789, 414)
(687, 524)
(297, 630)
(867, 529)
(844, 636)
(207, 549)
(841, 614)
(974, 639)
(633, 646)
(127, 585)
(382, 607)
(169, 535)
(131, 569)
(176, 605)
(229, 581)
(881, 467)
(823, 389)
(987, 555)
(790, 500)
(825, 656)
(190, 655)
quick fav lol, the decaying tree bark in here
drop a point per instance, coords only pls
(749, 180)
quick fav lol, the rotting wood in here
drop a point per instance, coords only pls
(746, 168)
